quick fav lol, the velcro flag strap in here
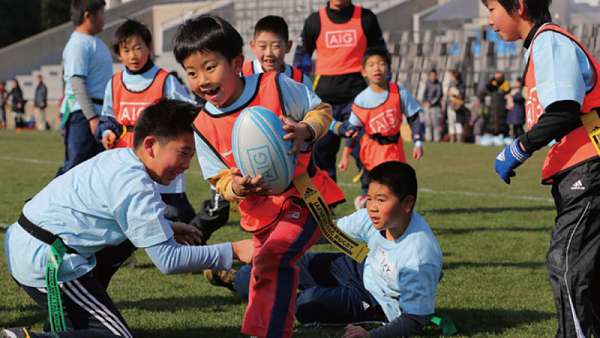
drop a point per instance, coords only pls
(55, 309)
(321, 213)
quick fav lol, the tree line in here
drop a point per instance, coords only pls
(23, 18)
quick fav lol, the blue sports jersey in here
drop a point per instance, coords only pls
(101, 202)
(403, 274)
(86, 56)
(371, 99)
(172, 90)
(562, 70)
(257, 67)
(297, 99)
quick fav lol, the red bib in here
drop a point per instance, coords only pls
(257, 211)
(576, 146)
(127, 104)
(382, 121)
(340, 47)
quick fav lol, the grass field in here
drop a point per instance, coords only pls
(493, 236)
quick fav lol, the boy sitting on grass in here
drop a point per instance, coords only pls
(398, 281)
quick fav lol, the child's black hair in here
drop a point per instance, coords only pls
(274, 24)
(166, 119)
(79, 7)
(399, 177)
(537, 11)
(128, 29)
(380, 51)
(207, 33)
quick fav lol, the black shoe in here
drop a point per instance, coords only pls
(16, 332)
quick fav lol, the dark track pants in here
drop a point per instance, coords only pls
(573, 259)
(89, 311)
(80, 144)
(333, 291)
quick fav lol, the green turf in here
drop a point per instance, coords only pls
(494, 238)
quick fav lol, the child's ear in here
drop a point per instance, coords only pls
(87, 16)
(521, 9)
(290, 43)
(408, 204)
(237, 63)
(149, 145)
(363, 72)
(252, 43)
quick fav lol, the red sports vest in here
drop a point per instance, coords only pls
(576, 146)
(384, 120)
(248, 69)
(340, 47)
(127, 104)
(256, 211)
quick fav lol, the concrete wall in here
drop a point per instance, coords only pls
(400, 17)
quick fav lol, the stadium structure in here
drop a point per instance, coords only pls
(421, 34)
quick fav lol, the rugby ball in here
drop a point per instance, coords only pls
(259, 148)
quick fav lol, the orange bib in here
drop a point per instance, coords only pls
(257, 211)
(381, 123)
(340, 47)
(248, 70)
(576, 146)
(127, 104)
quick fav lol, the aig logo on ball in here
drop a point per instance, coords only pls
(259, 148)
(261, 161)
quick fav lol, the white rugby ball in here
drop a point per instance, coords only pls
(259, 148)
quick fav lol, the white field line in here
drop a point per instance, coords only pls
(29, 160)
(342, 184)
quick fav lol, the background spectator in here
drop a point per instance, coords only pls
(3, 99)
(515, 103)
(17, 103)
(455, 107)
(432, 103)
(40, 102)
(497, 89)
